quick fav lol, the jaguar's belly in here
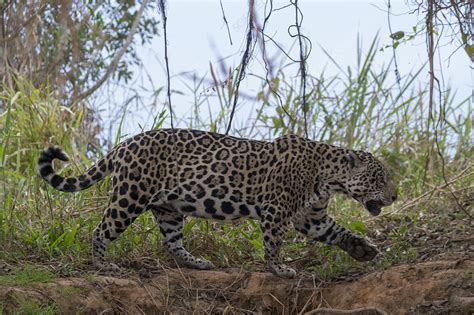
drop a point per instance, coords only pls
(216, 209)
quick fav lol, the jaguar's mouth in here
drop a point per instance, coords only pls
(374, 206)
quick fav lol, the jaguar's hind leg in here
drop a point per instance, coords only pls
(274, 228)
(171, 224)
(122, 211)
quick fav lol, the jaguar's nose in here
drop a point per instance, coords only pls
(394, 197)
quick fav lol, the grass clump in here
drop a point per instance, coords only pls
(26, 276)
(31, 308)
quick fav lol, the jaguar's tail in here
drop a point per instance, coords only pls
(70, 184)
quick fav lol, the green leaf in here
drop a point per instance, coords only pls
(469, 50)
(397, 35)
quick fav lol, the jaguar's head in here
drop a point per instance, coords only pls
(369, 181)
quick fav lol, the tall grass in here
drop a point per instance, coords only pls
(359, 108)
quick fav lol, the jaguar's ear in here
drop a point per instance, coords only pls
(354, 161)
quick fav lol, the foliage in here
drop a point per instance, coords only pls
(70, 44)
(27, 276)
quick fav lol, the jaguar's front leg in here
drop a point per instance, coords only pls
(273, 228)
(321, 227)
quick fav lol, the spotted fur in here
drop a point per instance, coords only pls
(282, 183)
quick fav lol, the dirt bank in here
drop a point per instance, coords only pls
(438, 287)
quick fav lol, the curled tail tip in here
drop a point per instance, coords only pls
(51, 153)
(46, 158)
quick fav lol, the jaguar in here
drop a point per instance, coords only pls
(283, 183)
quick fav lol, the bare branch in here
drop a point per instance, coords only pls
(114, 63)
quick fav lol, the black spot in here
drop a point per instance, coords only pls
(315, 222)
(123, 189)
(208, 180)
(189, 198)
(222, 154)
(209, 204)
(71, 181)
(244, 210)
(171, 222)
(218, 193)
(271, 210)
(303, 231)
(201, 193)
(132, 208)
(143, 199)
(113, 213)
(321, 238)
(123, 214)
(172, 196)
(123, 203)
(45, 171)
(227, 207)
(44, 158)
(188, 208)
(134, 195)
(329, 231)
(218, 217)
(56, 180)
(103, 168)
(175, 238)
(135, 177)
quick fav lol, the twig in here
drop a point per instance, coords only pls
(268, 67)
(414, 201)
(302, 62)
(168, 88)
(243, 63)
(430, 44)
(395, 61)
(226, 24)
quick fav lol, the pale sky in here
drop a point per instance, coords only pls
(197, 36)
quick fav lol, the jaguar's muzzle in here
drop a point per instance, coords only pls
(374, 206)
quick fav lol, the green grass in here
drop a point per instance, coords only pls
(357, 109)
(26, 276)
(31, 308)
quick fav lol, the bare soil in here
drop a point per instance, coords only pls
(443, 286)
